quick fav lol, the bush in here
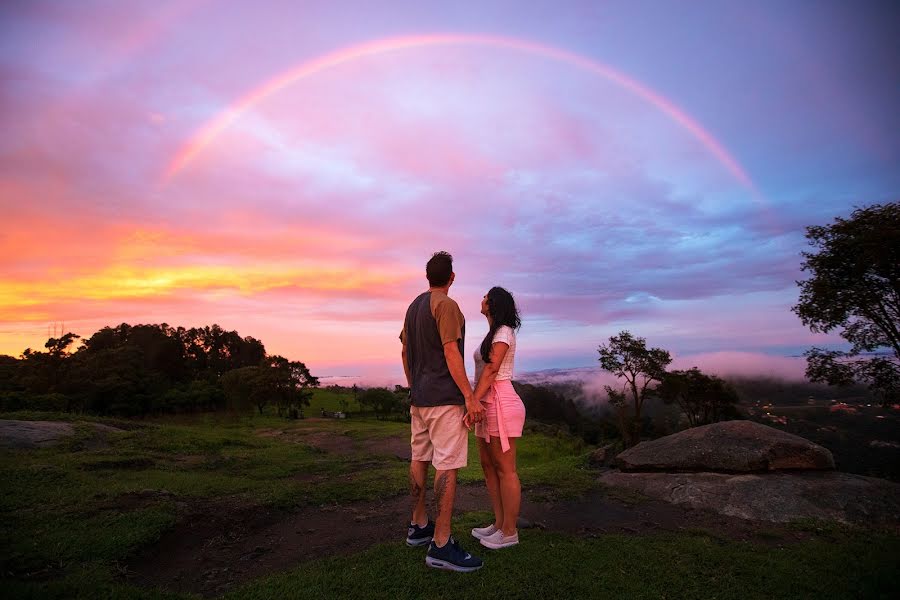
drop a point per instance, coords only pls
(12, 401)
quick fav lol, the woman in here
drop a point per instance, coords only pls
(504, 418)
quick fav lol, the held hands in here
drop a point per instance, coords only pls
(474, 412)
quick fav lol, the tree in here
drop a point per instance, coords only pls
(702, 398)
(239, 386)
(855, 287)
(278, 380)
(381, 400)
(43, 372)
(9, 373)
(627, 357)
(401, 394)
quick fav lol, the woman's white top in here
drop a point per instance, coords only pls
(507, 335)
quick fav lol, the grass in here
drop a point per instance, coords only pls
(325, 399)
(79, 509)
(550, 565)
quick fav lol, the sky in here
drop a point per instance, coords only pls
(286, 168)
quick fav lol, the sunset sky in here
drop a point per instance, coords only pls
(286, 168)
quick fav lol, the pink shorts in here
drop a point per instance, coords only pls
(440, 436)
(504, 414)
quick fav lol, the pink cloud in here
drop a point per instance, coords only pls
(745, 364)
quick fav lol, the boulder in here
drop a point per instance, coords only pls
(727, 447)
(33, 434)
(775, 497)
(40, 434)
(602, 456)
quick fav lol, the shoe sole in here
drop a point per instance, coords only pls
(494, 546)
(437, 563)
(414, 543)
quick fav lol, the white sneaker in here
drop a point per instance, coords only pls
(479, 533)
(498, 540)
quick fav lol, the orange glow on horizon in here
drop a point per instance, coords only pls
(121, 283)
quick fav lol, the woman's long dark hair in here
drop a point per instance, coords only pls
(503, 311)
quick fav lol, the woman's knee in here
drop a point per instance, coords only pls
(505, 469)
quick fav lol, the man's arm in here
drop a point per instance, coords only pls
(406, 366)
(458, 371)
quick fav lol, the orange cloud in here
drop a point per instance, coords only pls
(54, 267)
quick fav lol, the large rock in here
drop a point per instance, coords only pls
(40, 434)
(776, 497)
(33, 434)
(728, 447)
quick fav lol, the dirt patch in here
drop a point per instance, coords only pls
(328, 442)
(137, 500)
(337, 443)
(216, 547)
(211, 550)
(396, 447)
(132, 464)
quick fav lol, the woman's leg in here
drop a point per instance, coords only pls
(491, 481)
(510, 488)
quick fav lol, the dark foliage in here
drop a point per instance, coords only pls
(384, 402)
(556, 404)
(855, 287)
(703, 399)
(627, 357)
(147, 369)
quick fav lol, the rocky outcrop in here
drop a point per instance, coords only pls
(748, 470)
(33, 434)
(602, 457)
(39, 434)
(727, 447)
(776, 497)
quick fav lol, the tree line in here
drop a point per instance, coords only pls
(853, 288)
(136, 370)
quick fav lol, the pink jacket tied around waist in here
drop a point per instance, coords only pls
(504, 414)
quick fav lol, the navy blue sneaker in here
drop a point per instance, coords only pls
(452, 558)
(419, 536)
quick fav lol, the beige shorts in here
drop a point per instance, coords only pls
(439, 436)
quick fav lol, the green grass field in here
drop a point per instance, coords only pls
(70, 519)
(324, 399)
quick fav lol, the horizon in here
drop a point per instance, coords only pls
(286, 171)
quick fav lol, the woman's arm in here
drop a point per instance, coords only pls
(489, 374)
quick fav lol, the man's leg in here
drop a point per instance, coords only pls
(422, 452)
(451, 442)
(444, 495)
(418, 473)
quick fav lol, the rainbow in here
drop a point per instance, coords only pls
(207, 134)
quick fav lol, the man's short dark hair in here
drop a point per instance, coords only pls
(439, 269)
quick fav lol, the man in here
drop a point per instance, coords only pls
(432, 338)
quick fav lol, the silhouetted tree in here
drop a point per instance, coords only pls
(627, 357)
(241, 389)
(855, 287)
(702, 398)
(42, 372)
(9, 373)
(141, 369)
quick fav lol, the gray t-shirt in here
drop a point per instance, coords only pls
(432, 320)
